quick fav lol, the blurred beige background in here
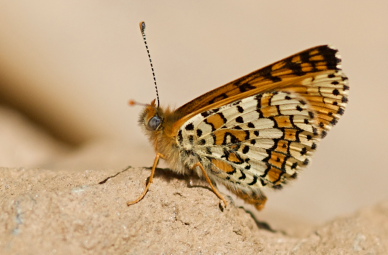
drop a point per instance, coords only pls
(72, 66)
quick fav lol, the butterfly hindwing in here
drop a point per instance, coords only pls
(253, 142)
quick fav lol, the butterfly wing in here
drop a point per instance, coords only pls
(261, 140)
(259, 130)
(315, 74)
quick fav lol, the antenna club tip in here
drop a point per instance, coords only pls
(132, 102)
(142, 26)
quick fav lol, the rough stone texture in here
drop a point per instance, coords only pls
(69, 211)
(78, 212)
(76, 204)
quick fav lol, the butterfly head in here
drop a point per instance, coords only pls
(152, 117)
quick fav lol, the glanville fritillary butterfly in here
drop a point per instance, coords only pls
(257, 131)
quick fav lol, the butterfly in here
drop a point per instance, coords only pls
(254, 132)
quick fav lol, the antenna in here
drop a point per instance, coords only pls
(142, 29)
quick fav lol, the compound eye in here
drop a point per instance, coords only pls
(154, 122)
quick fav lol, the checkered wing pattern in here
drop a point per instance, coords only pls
(253, 142)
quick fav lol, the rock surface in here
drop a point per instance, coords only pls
(85, 212)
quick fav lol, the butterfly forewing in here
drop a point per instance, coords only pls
(314, 74)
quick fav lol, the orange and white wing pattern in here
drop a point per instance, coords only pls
(253, 142)
(315, 74)
(262, 128)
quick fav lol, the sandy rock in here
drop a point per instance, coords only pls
(85, 212)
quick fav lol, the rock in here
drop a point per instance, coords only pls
(85, 212)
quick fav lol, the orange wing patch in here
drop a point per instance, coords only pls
(282, 146)
(277, 159)
(270, 111)
(283, 121)
(227, 136)
(274, 175)
(290, 134)
(216, 121)
(222, 165)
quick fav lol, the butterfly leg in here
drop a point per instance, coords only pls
(156, 161)
(215, 190)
